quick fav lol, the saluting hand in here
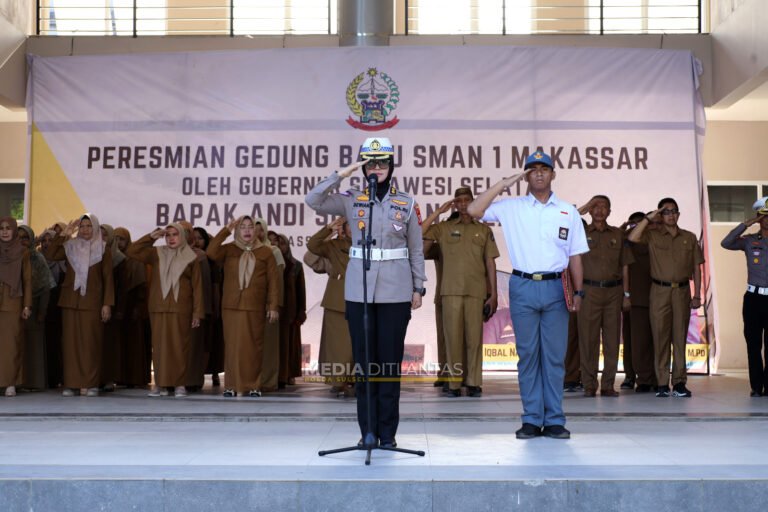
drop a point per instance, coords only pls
(754, 220)
(71, 227)
(232, 226)
(348, 170)
(156, 234)
(446, 206)
(654, 215)
(508, 182)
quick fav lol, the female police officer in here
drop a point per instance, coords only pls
(395, 280)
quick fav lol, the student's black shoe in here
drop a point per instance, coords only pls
(556, 432)
(528, 431)
(681, 391)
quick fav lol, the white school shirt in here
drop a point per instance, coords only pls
(540, 237)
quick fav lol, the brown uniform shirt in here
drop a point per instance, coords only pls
(463, 251)
(15, 304)
(254, 297)
(673, 258)
(190, 282)
(640, 275)
(607, 254)
(337, 252)
(100, 288)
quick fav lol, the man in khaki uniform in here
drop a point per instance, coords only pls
(468, 250)
(638, 328)
(675, 257)
(606, 288)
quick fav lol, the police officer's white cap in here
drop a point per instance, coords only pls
(761, 206)
(377, 148)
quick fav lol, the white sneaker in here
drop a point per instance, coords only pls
(180, 391)
(68, 392)
(10, 391)
(154, 392)
(92, 392)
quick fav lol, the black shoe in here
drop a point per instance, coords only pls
(662, 391)
(446, 387)
(361, 443)
(454, 392)
(528, 431)
(643, 388)
(556, 432)
(679, 390)
(229, 393)
(438, 383)
(628, 384)
(474, 391)
(571, 387)
(754, 393)
(215, 382)
(388, 444)
(281, 385)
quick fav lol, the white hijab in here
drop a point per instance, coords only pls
(83, 254)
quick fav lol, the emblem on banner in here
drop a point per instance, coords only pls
(372, 96)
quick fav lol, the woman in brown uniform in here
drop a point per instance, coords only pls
(132, 341)
(34, 373)
(271, 353)
(293, 316)
(86, 300)
(175, 304)
(335, 343)
(15, 303)
(110, 363)
(250, 289)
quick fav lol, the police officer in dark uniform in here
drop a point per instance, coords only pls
(395, 279)
(755, 308)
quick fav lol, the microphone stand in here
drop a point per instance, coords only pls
(370, 442)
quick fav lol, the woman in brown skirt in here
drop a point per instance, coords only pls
(250, 289)
(15, 303)
(34, 372)
(293, 316)
(271, 360)
(335, 361)
(133, 350)
(86, 300)
(175, 304)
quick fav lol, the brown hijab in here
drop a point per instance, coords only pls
(134, 275)
(117, 255)
(173, 262)
(11, 257)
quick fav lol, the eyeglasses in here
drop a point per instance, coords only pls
(668, 211)
(381, 164)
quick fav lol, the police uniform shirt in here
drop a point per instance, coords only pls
(396, 225)
(540, 236)
(607, 254)
(464, 249)
(673, 258)
(755, 247)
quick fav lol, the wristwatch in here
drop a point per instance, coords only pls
(626, 294)
(579, 293)
(420, 291)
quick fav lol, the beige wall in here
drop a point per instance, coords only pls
(13, 151)
(731, 151)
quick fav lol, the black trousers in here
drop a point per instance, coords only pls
(386, 338)
(755, 314)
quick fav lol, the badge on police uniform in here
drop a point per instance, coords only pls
(563, 234)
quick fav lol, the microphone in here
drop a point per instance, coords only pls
(373, 180)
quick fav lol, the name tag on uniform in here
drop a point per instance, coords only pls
(563, 234)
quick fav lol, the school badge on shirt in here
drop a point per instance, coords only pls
(563, 234)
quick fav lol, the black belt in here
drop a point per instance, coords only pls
(603, 284)
(670, 285)
(538, 276)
